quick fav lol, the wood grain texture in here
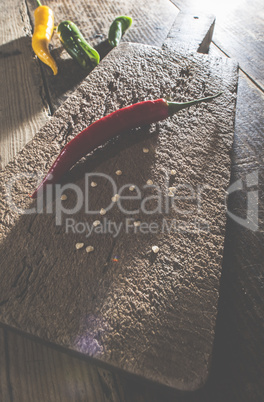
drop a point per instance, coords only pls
(243, 267)
(239, 31)
(22, 104)
(125, 313)
(191, 32)
(32, 93)
(24, 357)
(38, 373)
(237, 364)
(5, 379)
(239, 345)
(237, 360)
(151, 24)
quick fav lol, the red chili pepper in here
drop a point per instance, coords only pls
(110, 126)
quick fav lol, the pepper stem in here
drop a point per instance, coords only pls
(174, 107)
(39, 3)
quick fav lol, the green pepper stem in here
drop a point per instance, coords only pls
(39, 3)
(174, 107)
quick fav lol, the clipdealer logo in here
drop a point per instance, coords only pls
(51, 202)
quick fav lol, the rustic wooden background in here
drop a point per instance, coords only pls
(31, 371)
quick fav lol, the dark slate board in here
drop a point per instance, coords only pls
(150, 314)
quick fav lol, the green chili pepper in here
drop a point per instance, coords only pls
(76, 45)
(118, 28)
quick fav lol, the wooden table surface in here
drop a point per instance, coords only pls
(31, 371)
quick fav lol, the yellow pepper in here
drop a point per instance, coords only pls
(43, 30)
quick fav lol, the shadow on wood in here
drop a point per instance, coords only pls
(23, 102)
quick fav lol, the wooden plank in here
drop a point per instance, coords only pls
(239, 31)
(38, 373)
(239, 347)
(26, 364)
(23, 106)
(151, 24)
(243, 268)
(191, 32)
(237, 371)
(237, 360)
(238, 352)
(134, 298)
(29, 103)
(26, 105)
(5, 388)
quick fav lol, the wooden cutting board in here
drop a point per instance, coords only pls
(152, 314)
